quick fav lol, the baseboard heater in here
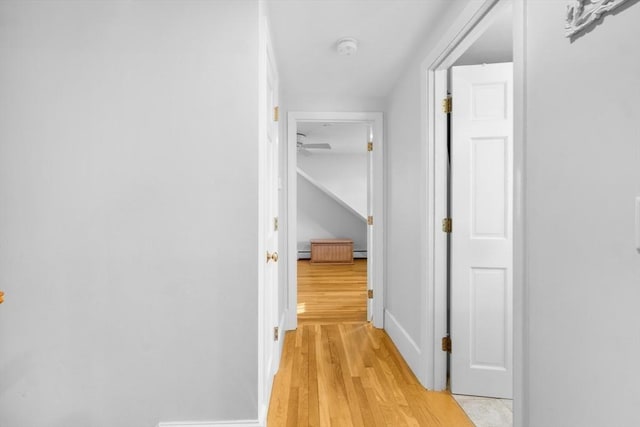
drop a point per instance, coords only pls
(357, 254)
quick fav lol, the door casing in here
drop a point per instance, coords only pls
(470, 24)
(376, 257)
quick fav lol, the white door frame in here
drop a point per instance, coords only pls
(266, 371)
(376, 258)
(475, 18)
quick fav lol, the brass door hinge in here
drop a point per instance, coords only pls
(369, 146)
(370, 220)
(276, 113)
(275, 333)
(447, 105)
(446, 344)
(275, 224)
(447, 225)
(370, 293)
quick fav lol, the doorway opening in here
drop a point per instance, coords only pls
(334, 216)
(480, 201)
(472, 161)
(480, 255)
(333, 186)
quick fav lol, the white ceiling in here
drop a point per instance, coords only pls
(344, 138)
(305, 34)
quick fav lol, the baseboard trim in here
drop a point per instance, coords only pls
(303, 255)
(232, 423)
(290, 319)
(405, 344)
(282, 329)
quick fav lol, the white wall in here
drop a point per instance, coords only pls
(404, 215)
(583, 173)
(345, 175)
(321, 217)
(313, 102)
(495, 44)
(128, 205)
(406, 205)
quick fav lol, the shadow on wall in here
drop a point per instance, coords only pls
(321, 217)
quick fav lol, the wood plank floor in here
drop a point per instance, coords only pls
(337, 370)
(331, 293)
(351, 374)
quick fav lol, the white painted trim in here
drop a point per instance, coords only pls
(520, 286)
(408, 348)
(266, 369)
(282, 327)
(376, 256)
(433, 297)
(458, 38)
(439, 179)
(233, 423)
(262, 129)
(330, 193)
(638, 224)
(290, 226)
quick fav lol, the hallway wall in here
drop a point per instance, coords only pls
(406, 190)
(583, 173)
(128, 210)
(344, 174)
(321, 217)
(312, 102)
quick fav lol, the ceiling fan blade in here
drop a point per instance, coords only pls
(320, 146)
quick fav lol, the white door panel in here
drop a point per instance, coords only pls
(482, 242)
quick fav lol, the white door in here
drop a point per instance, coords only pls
(270, 224)
(482, 237)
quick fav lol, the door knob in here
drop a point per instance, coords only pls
(1, 297)
(272, 256)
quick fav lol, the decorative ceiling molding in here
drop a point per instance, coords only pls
(582, 13)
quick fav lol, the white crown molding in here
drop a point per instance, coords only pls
(582, 13)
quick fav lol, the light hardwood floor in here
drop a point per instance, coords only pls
(332, 293)
(347, 373)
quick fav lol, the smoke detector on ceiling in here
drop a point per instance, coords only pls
(347, 46)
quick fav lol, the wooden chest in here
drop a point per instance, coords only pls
(332, 251)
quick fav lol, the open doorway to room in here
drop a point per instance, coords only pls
(334, 198)
(332, 166)
(475, 193)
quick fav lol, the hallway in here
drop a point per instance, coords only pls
(351, 374)
(336, 369)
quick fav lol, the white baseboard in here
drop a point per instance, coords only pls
(290, 320)
(264, 407)
(302, 255)
(232, 423)
(282, 327)
(408, 348)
